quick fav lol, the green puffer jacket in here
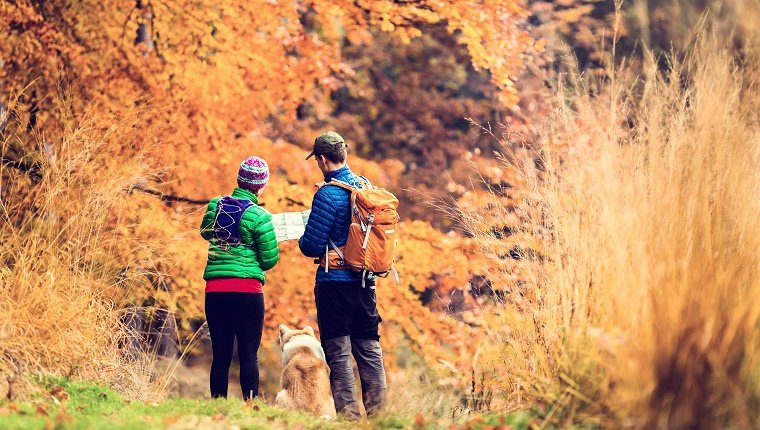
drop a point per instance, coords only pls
(259, 251)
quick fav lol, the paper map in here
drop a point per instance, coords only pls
(290, 225)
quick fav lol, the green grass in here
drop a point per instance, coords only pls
(93, 407)
(89, 406)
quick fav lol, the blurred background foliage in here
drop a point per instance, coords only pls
(177, 92)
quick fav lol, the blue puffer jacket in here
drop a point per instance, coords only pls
(330, 218)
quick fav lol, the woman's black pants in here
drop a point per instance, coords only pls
(230, 316)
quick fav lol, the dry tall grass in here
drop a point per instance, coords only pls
(642, 308)
(62, 271)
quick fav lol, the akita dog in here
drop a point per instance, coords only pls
(305, 375)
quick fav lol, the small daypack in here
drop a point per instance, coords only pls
(372, 235)
(229, 211)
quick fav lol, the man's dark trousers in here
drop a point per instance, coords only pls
(348, 323)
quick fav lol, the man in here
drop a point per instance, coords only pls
(346, 307)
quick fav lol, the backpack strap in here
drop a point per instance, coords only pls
(338, 251)
(348, 187)
(365, 183)
(340, 184)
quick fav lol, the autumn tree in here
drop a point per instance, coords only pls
(202, 84)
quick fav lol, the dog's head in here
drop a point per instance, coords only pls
(286, 334)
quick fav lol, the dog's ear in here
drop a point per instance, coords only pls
(309, 330)
(283, 329)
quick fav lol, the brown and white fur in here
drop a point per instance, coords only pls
(305, 375)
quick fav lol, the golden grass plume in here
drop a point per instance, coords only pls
(640, 304)
(63, 255)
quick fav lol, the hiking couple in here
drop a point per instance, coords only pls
(243, 246)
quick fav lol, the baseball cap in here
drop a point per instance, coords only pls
(327, 143)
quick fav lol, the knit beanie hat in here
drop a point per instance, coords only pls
(253, 174)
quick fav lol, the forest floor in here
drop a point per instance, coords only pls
(69, 404)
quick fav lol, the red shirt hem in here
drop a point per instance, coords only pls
(234, 285)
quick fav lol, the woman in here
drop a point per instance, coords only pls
(242, 248)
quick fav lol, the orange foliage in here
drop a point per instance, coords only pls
(232, 60)
(491, 31)
(212, 76)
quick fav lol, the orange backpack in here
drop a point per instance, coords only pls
(372, 236)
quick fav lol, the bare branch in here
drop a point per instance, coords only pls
(168, 197)
(35, 174)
